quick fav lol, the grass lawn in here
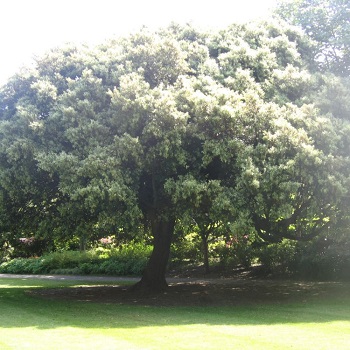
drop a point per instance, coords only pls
(29, 321)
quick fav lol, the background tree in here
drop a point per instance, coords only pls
(328, 23)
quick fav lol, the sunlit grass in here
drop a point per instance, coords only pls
(29, 322)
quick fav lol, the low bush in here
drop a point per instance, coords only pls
(277, 258)
(22, 265)
(322, 261)
(233, 254)
(125, 260)
(186, 251)
(319, 259)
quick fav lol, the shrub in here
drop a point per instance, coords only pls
(277, 258)
(319, 259)
(22, 265)
(235, 252)
(128, 259)
(186, 251)
(322, 260)
(6, 252)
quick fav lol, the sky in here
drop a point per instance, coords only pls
(28, 28)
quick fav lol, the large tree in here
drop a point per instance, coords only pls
(145, 130)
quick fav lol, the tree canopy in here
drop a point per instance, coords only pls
(141, 132)
(327, 22)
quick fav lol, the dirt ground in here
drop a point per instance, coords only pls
(204, 292)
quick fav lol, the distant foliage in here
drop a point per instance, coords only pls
(327, 23)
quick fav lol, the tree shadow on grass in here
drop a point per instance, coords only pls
(204, 293)
(227, 302)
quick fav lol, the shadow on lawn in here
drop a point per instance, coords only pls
(227, 302)
(205, 293)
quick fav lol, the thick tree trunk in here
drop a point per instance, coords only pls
(153, 278)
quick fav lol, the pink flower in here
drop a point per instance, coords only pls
(107, 240)
(27, 241)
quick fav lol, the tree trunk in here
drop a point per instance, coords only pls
(205, 253)
(82, 243)
(153, 278)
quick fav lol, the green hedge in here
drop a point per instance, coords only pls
(124, 260)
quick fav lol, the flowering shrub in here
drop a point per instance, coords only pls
(109, 241)
(106, 241)
(27, 241)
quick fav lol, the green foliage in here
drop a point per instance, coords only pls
(277, 258)
(322, 260)
(141, 132)
(186, 250)
(23, 266)
(326, 22)
(125, 260)
(234, 253)
(5, 252)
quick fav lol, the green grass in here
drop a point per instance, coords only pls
(30, 322)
